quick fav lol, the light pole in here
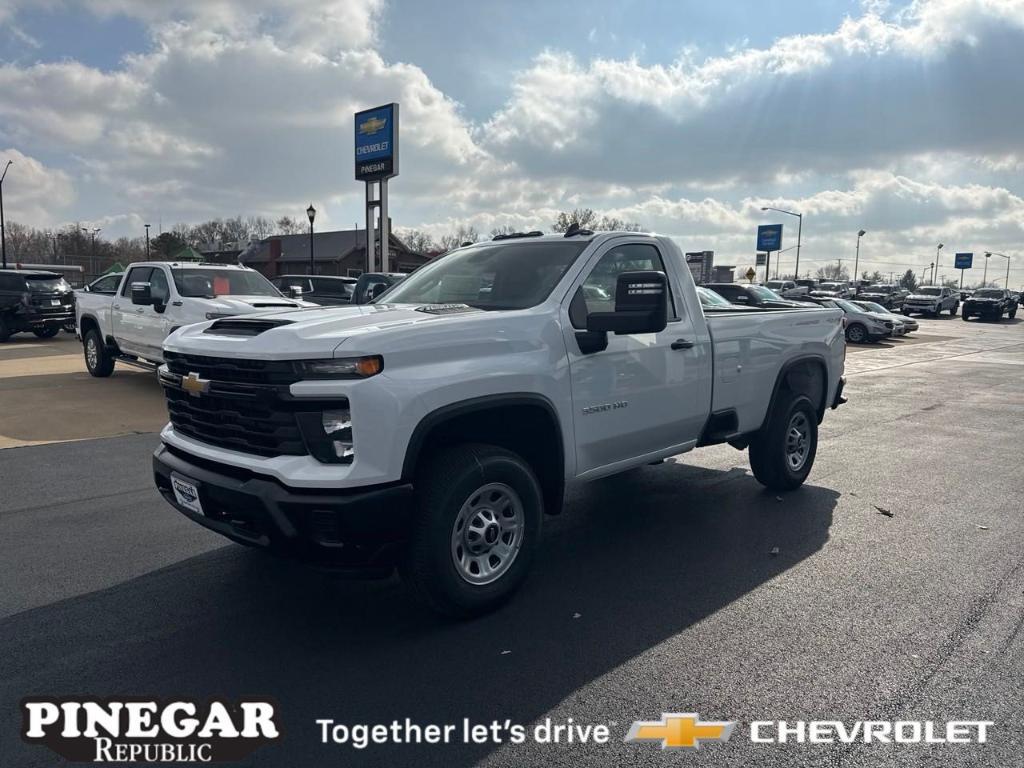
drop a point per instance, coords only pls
(993, 253)
(937, 251)
(856, 261)
(311, 212)
(799, 232)
(147, 241)
(931, 273)
(3, 233)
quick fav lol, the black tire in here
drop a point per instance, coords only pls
(446, 490)
(1013, 313)
(770, 458)
(955, 309)
(48, 332)
(857, 334)
(905, 312)
(98, 359)
(5, 330)
(965, 317)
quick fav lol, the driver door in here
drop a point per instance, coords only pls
(153, 322)
(125, 317)
(645, 395)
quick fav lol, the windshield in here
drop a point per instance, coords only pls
(711, 299)
(47, 284)
(807, 283)
(930, 291)
(775, 284)
(492, 276)
(871, 306)
(848, 306)
(878, 289)
(210, 283)
(988, 293)
(829, 287)
(764, 293)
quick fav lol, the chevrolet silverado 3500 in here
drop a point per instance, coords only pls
(436, 428)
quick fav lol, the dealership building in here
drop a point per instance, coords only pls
(334, 253)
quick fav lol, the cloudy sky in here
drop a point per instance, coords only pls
(902, 118)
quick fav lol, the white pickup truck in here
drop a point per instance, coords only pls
(435, 428)
(155, 298)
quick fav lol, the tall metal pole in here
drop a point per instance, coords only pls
(799, 235)
(385, 227)
(3, 231)
(371, 241)
(984, 279)
(147, 241)
(938, 251)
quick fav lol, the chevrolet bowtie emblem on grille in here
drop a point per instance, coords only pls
(194, 385)
(676, 731)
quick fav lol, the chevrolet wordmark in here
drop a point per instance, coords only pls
(436, 428)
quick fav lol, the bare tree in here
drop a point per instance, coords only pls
(286, 225)
(833, 272)
(464, 234)
(259, 227)
(588, 218)
(504, 229)
(417, 240)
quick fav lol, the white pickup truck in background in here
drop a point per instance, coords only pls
(436, 429)
(155, 298)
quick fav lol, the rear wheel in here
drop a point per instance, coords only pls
(783, 450)
(477, 524)
(98, 359)
(1013, 312)
(48, 332)
(955, 309)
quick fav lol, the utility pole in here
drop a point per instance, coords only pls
(856, 263)
(147, 241)
(3, 232)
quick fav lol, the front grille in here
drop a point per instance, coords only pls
(229, 369)
(256, 424)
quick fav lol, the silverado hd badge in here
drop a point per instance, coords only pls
(141, 730)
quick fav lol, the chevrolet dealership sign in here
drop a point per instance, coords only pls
(376, 132)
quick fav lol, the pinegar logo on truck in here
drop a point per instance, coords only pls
(146, 730)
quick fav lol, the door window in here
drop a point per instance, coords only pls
(597, 292)
(158, 287)
(136, 275)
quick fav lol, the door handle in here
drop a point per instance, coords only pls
(139, 311)
(117, 306)
(682, 344)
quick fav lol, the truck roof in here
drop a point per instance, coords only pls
(190, 265)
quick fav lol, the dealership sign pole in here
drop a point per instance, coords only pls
(963, 261)
(376, 156)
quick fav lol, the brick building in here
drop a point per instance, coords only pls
(334, 253)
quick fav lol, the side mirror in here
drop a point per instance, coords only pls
(141, 294)
(641, 305)
(294, 292)
(377, 290)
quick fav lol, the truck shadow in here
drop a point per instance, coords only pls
(634, 561)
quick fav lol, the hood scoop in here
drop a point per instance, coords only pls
(262, 304)
(234, 326)
(446, 309)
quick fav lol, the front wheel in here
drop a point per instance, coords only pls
(48, 332)
(783, 450)
(965, 317)
(1013, 313)
(857, 334)
(955, 309)
(98, 359)
(478, 517)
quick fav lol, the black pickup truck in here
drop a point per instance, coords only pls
(36, 301)
(990, 304)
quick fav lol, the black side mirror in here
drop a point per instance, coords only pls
(141, 294)
(641, 305)
(377, 290)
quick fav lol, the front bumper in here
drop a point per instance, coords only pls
(355, 528)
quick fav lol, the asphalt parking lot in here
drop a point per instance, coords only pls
(684, 587)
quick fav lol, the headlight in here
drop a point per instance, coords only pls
(342, 367)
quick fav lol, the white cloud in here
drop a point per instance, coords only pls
(32, 191)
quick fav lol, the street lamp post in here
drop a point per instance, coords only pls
(311, 212)
(799, 234)
(856, 260)
(3, 233)
(937, 250)
(993, 253)
(931, 273)
(147, 241)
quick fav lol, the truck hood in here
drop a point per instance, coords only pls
(239, 305)
(315, 332)
(923, 297)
